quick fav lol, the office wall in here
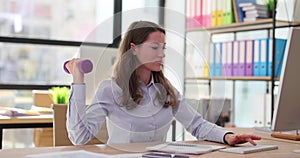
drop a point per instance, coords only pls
(175, 26)
(174, 65)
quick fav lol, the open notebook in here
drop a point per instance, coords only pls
(184, 148)
(250, 149)
(15, 112)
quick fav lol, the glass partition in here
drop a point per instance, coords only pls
(34, 64)
(72, 21)
(53, 19)
(135, 10)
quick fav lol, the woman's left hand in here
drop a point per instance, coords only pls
(233, 139)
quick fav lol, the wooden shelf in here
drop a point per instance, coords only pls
(246, 26)
(245, 78)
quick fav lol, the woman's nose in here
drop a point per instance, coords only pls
(162, 53)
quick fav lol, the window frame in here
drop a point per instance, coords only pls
(117, 28)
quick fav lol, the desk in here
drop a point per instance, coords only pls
(285, 149)
(41, 121)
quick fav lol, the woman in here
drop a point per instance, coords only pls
(138, 101)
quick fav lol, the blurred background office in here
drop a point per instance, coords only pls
(37, 37)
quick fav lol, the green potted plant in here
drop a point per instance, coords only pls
(269, 5)
(60, 95)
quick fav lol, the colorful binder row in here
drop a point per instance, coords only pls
(246, 57)
(207, 13)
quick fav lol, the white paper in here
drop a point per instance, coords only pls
(82, 154)
(250, 149)
(184, 148)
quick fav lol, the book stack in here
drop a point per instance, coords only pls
(253, 11)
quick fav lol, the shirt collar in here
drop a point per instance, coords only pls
(150, 83)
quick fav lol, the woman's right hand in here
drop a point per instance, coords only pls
(72, 66)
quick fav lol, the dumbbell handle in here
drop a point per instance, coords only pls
(85, 66)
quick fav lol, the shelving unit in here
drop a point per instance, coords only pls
(254, 78)
(265, 24)
(246, 26)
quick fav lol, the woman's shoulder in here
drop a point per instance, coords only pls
(109, 83)
(106, 82)
(109, 88)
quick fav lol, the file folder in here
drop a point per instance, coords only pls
(218, 57)
(204, 13)
(193, 14)
(198, 14)
(219, 12)
(259, 106)
(211, 61)
(208, 13)
(224, 59)
(270, 57)
(225, 12)
(242, 58)
(214, 12)
(235, 60)
(264, 53)
(229, 66)
(249, 57)
(229, 17)
(279, 52)
(189, 18)
(207, 49)
(256, 57)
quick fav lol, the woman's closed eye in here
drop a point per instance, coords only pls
(158, 47)
(155, 48)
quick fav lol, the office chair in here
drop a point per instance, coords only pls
(60, 135)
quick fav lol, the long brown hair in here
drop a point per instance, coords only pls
(125, 68)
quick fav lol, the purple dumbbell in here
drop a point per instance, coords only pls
(85, 66)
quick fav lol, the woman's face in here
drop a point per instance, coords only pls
(151, 52)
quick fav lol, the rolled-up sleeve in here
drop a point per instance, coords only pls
(84, 121)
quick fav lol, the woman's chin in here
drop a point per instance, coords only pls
(156, 69)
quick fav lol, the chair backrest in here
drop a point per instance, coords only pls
(60, 135)
(42, 98)
(215, 110)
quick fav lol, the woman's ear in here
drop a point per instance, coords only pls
(132, 47)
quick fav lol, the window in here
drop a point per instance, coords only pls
(52, 19)
(37, 37)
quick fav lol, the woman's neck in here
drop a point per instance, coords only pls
(144, 75)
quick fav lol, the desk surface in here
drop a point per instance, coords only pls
(40, 121)
(42, 118)
(285, 149)
(45, 118)
(264, 135)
